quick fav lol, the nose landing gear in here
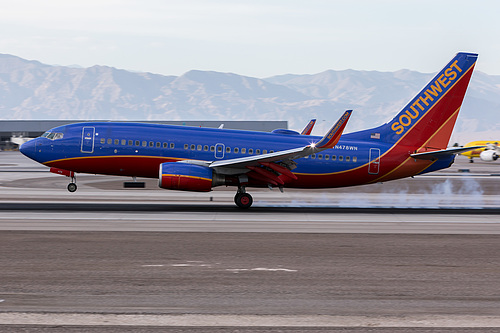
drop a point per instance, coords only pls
(72, 186)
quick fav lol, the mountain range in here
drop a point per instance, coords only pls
(30, 90)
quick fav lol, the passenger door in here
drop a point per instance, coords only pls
(88, 134)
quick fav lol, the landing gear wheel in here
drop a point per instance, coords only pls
(72, 187)
(243, 200)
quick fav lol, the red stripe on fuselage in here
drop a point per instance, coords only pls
(134, 166)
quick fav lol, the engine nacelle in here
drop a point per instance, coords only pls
(185, 177)
(488, 155)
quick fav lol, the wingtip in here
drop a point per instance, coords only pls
(333, 136)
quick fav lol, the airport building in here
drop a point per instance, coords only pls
(12, 132)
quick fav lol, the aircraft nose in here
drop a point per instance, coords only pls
(29, 148)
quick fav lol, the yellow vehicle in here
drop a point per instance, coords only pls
(488, 153)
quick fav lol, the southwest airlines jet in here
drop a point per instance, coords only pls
(184, 158)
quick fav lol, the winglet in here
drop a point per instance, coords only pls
(333, 136)
(308, 129)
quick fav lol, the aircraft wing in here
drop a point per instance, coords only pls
(434, 155)
(328, 141)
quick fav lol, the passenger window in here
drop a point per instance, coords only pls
(228, 149)
(205, 148)
(348, 158)
(219, 148)
(313, 156)
(117, 141)
(144, 143)
(172, 145)
(109, 141)
(212, 148)
(124, 142)
(158, 145)
(243, 150)
(103, 140)
(327, 157)
(334, 157)
(165, 145)
(151, 144)
(193, 147)
(130, 142)
(257, 151)
(250, 151)
(354, 159)
(341, 158)
(199, 147)
(137, 143)
(236, 150)
(320, 156)
(186, 146)
(264, 151)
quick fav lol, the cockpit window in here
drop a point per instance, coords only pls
(52, 135)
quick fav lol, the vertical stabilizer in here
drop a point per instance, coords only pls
(428, 119)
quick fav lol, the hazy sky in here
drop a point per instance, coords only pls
(255, 38)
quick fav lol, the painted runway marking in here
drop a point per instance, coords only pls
(153, 265)
(237, 270)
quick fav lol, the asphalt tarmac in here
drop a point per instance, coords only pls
(416, 255)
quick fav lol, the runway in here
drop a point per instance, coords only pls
(210, 281)
(416, 255)
(226, 218)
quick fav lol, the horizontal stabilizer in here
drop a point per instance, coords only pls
(434, 155)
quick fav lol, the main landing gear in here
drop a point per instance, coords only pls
(243, 199)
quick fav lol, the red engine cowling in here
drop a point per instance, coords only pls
(185, 177)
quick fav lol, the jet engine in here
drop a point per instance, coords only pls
(488, 155)
(188, 177)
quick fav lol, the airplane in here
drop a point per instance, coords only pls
(184, 158)
(487, 151)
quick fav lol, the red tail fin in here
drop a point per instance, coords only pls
(428, 120)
